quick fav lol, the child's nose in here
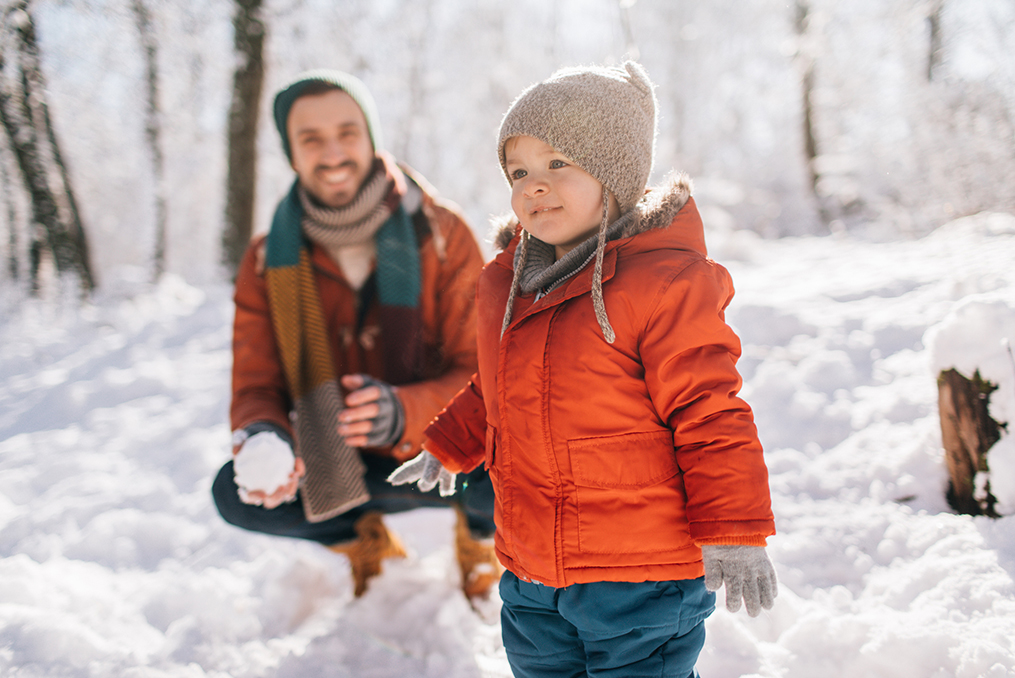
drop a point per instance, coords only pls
(535, 186)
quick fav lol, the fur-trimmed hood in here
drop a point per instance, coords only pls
(655, 210)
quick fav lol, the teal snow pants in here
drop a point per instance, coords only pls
(604, 629)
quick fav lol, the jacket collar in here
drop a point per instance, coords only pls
(665, 218)
(658, 210)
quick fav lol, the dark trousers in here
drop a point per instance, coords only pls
(474, 494)
(604, 629)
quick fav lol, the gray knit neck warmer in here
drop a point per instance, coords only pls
(597, 273)
(534, 265)
(354, 224)
(540, 271)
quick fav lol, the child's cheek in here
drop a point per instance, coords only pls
(519, 213)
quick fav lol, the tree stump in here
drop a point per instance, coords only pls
(967, 432)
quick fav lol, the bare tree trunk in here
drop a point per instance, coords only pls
(806, 60)
(967, 432)
(241, 176)
(936, 48)
(13, 263)
(14, 116)
(153, 130)
(25, 117)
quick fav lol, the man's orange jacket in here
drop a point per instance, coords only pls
(450, 263)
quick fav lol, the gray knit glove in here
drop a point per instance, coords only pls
(426, 472)
(747, 573)
(390, 420)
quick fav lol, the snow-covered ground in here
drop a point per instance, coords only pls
(113, 561)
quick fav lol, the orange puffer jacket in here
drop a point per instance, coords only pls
(450, 263)
(613, 462)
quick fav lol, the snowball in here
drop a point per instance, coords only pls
(264, 462)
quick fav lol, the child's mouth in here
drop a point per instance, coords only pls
(540, 210)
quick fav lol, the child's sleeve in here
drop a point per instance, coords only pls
(457, 435)
(689, 354)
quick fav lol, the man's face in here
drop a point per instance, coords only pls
(331, 149)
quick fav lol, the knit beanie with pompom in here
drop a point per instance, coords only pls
(604, 120)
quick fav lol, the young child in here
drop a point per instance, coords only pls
(628, 475)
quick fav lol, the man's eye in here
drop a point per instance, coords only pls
(518, 174)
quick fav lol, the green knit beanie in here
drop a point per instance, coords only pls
(349, 84)
(602, 118)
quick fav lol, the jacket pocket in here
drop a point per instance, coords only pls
(629, 493)
(491, 447)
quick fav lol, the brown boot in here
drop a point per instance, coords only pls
(476, 559)
(374, 543)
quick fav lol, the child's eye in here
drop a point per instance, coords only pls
(518, 174)
(557, 164)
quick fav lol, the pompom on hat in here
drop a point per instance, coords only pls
(602, 118)
(349, 84)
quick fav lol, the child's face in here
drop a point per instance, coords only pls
(554, 199)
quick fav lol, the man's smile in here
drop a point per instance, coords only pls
(336, 175)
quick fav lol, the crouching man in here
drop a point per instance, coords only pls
(355, 324)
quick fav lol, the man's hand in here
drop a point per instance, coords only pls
(283, 495)
(265, 469)
(373, 416)
(747, 573)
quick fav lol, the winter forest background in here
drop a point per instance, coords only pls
(792, 117)
(854, 163)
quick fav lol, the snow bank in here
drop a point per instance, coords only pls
(113, 421)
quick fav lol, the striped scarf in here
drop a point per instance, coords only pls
(334, 481)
